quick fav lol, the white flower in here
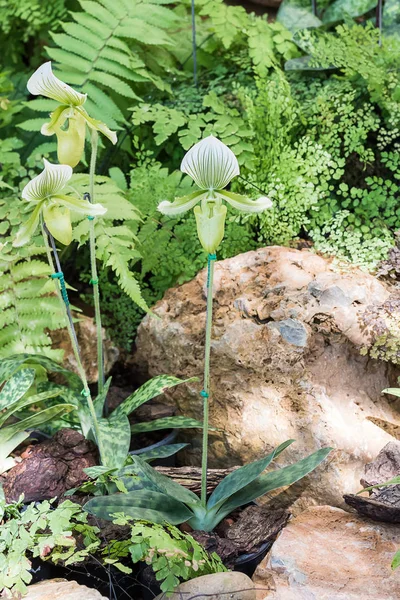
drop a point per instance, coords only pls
(71, 139)
(212, 166)
(45, 193)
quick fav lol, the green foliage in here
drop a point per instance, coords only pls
(115, 240)
(42, 530)
(396, 560)
(157, 498)
(105, 50)
(62, 535)
(297, 14)
(174, 556)
(321, 140)
(115, 429)
(24, 322)
(292, 168)
(14, 398)
(21, 20)
(381, 324)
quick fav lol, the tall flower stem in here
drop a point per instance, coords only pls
(65, 306)
(94, 280)
(205, 393)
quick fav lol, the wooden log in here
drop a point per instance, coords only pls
(190, 477)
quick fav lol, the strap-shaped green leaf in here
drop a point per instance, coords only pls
(97, 470)
(146, 392)
(101, 398)
(274, 480)
(7, 447)
(242, 477)
(392, 391)
(116, 438)
(23, 403)
(353, 8)
(141, 504)
(163, 452)
(9, 365)
(166, 423)
(34, 421)
(164, 484)
(16, 387)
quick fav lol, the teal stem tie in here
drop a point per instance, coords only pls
(94, 281)
(90, 218)
(211, 257)
(204, 394)
(85, 393)
(60, 276)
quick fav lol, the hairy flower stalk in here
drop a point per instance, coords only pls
(94, 280)
(212, 166)
(69, 120)
(52, 210)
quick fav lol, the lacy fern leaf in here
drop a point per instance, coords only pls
(115, 238)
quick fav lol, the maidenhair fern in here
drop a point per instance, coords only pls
(102, 52)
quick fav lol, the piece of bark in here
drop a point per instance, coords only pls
(244, 532)
(190, 477)
(255, 526)
(51, 468)
(385, 466)
(378, 511)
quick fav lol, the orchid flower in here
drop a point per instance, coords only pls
(211, 165)
(45, 193)
(69, 120)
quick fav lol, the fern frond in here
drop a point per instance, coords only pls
(92, 50)
(126, 280)
(115, 243)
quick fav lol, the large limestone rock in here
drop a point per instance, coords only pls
(285, 364)
(328, 554)
(61, 589)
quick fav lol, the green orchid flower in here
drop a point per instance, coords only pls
(69, 120)
(45, 193)
(211, 165)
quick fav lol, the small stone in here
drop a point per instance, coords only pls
(334, 297)
(292, 331)
(329, 554)
(61, 589)
(219, 586)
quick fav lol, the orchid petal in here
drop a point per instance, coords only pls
(243, 203)
(58, 222)
(210, 229)
(211, 164)
(71, 141)
(44, 82)
(180, 205)
(80, 206)
(50, 181)
(57, 120)
(27, 230)
(99, 126)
